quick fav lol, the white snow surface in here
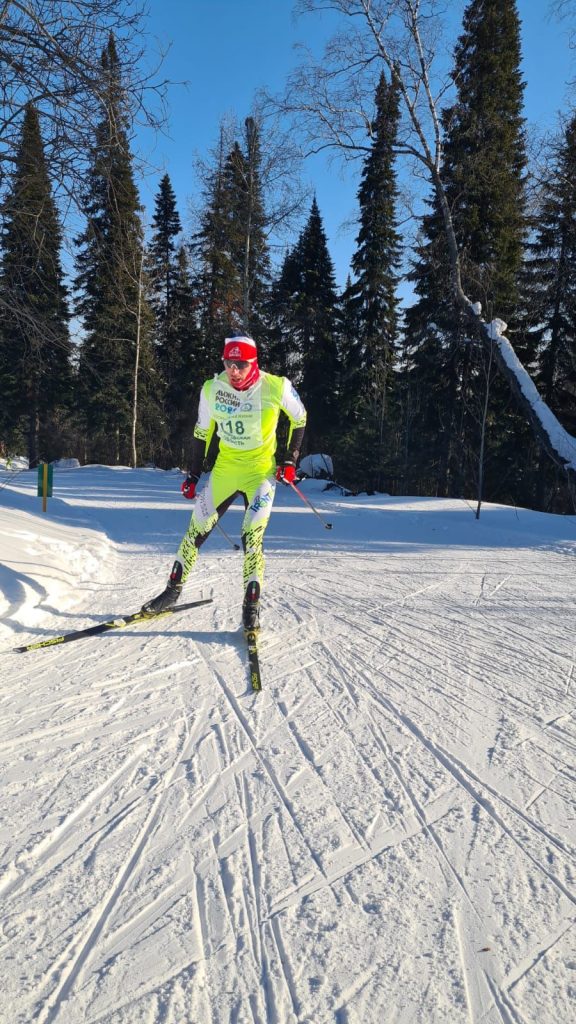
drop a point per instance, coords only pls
(385, 834)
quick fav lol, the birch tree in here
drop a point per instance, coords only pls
(50, 57)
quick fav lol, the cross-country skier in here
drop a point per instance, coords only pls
(242, 405)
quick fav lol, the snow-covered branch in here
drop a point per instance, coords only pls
(560, 445)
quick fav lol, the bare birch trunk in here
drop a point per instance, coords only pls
(137, 363)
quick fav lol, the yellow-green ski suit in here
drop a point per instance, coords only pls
(245, 423)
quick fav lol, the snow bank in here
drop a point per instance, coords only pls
(43, 563)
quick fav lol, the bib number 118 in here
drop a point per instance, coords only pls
(232, 427)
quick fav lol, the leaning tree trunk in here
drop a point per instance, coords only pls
(548, 431)
(558, 444)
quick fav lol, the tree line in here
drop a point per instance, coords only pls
(406, 401)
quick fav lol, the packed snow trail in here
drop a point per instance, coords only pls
(385, 833)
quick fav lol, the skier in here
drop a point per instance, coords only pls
(242, 405)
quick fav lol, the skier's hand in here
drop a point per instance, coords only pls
(286, 473)
(189, 486)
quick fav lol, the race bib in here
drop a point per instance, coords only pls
(238, 416)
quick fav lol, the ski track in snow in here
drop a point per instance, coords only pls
(385, 833)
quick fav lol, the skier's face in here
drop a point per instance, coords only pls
(237, 370)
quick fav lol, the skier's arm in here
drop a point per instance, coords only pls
(291, 404)
(203, 431)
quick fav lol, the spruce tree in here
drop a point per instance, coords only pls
(217, 280)
(117, 318)
(433, 375)
(282, 357)
(483, 172)
(550, 298)
(248, 227)
(190, 363)
(307, 306)
(35, 349)
(231, 246)
(375, 262)
(371, 303)
(485, 155)
(167, 275)
(166, 226)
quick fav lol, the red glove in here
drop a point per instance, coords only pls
(286, 473)
(189, 486)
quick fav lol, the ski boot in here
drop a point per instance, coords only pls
(168, 598)
(251, 608)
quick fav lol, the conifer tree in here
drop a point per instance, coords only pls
(117, 317)
(371, 303)
(307, 306)
(190, 363)
(283, 358)
(483, 173)
(250, 248)
(169, 286)
(217, 281)
(231, 245)
(166, 226)
(375, 262)
(485, 154)
(35, 370)
(433, 374)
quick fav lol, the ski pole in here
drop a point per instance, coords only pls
(326, 525)
(229, 539)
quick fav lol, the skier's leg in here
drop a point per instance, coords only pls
(213, 500)
(260, 498)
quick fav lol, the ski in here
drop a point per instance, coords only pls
(104, 627)
(253, 662)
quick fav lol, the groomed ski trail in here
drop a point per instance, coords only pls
(385, 832)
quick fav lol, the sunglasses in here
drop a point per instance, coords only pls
(239, 364)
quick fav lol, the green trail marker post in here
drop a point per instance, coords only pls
(45, 479)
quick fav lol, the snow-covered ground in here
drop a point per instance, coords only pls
(385, 834)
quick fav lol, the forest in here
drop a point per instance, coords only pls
(102, 355)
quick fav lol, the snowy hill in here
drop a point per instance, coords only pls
(384, 834)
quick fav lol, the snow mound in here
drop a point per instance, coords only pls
(317, 466)
(43, 566)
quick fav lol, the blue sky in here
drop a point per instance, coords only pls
(226, 49)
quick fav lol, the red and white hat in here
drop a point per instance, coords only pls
(240, 347)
